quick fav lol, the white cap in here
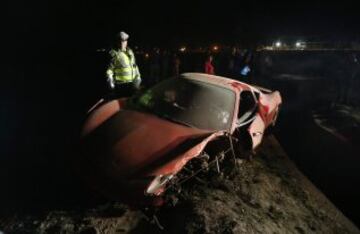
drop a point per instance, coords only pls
(123, 36)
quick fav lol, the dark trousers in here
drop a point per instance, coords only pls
(123, 90)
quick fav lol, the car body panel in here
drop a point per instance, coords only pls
(270, 104)
(132, 140)
(256, 130)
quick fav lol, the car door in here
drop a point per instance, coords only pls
(248, 115)
(257, 127)
(256, 130)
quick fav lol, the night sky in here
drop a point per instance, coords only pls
(161, 23)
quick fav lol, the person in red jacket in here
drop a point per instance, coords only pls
(209, 67)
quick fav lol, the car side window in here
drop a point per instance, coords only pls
(247, 106)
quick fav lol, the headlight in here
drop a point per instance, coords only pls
(157, 185)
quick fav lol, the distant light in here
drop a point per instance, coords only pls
(182, 49)
(268, 48)
(278, 44)
(146, 55)
(298, 44)
(215, 48)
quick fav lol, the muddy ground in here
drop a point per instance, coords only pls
(264, 195)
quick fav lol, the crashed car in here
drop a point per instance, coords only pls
(136, 148)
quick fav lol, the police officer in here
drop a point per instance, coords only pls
(123, 73)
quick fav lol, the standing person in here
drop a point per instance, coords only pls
(164, 64)
(238, 64)
(245, 66)
(155, 66)
(176, 65)
(231, 62)
(123, 73)
(209, 67)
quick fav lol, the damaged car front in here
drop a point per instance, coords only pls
(141, 145)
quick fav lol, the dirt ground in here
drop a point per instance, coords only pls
(267, 194)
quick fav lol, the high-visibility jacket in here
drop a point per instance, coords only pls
(123, 67)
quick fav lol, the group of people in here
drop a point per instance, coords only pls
(160, 65)
(124, 77)
(236, 65)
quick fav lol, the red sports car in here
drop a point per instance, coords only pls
(135, 148)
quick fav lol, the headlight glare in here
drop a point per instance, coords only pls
(158, 183)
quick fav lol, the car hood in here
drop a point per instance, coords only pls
(131, 143)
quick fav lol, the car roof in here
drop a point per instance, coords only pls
(231, 84)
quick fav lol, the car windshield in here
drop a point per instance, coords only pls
(188, 102)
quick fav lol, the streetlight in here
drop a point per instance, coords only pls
(278, 44)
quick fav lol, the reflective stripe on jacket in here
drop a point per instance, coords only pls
(123, 66)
